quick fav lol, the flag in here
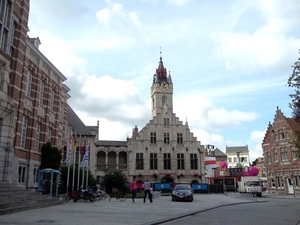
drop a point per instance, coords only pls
(69, 153)
(85, 159)
(83, 148)
(80, 146)
(75, 142)
(86, 152)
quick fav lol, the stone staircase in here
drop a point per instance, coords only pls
(15, 199)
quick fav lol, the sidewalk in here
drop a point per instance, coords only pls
(120, 213)
(265, 195)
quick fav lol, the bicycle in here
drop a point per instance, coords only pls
(101, 195)
(71, 196)
(120, 195)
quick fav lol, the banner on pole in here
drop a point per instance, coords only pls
(69, 151)
(85, 159)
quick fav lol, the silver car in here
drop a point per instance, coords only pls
(182, 192)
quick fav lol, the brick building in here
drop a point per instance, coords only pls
(281, 162)
(33, 98)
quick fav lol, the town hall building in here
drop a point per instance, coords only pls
(164, 150)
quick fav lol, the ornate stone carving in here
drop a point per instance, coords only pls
(41, 111)
(28, 104)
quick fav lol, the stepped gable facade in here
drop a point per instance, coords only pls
(282, 166)
(165, 150)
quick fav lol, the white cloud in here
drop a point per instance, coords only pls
(269, 46)
(103, 16)
(178, 2)
(60, 54)
(257, 135)
(203, 113)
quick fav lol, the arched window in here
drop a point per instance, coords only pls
(164, 100)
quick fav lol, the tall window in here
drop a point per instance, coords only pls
(269, 158)
(59, 143)
(49, 134)
(167, 161)
(297, 178)
(179, 139)
(35, 175)
(153, 137)
(287, 135)
(22, 172)
(275, 155)
(166, 122)
(37, 137)
(139, 161)
(180, 161)
(52, 101)
(284, 156)
(61, 112)
(194, 161)
(164, 100)
(279, 182)
(23, 131)
(153, 161)
(294, 153)
(281, 134)
(41, 96)
(6, 29)
(1, 124)
(28, 84)
(166, 138)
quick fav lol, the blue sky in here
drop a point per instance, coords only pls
(229, 62)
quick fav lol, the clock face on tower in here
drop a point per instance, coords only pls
(164, 86)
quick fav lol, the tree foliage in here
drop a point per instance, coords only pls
(51, 157)
(294, 81)
(114, 179)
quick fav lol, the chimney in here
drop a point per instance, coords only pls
(135, 132)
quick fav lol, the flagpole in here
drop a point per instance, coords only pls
(73, 181)
(87, 163)
(79, 153)
(82, 163)
(68, 158)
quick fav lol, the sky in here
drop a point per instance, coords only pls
(229, 61)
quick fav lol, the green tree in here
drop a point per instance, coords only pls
(114, 178)
(51, 157)
(294, 81)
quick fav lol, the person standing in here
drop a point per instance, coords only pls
(147, 190)
(133, 189)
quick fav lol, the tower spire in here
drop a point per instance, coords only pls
(161, 71)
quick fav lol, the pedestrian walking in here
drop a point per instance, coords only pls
(133, 189)
(147, 190)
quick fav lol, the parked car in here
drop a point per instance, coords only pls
(182, 192)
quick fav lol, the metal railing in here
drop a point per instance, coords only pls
(102, 167)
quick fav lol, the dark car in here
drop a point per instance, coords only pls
(182, 192)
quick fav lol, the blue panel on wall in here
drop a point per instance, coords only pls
(162, 186)
(199, 186)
